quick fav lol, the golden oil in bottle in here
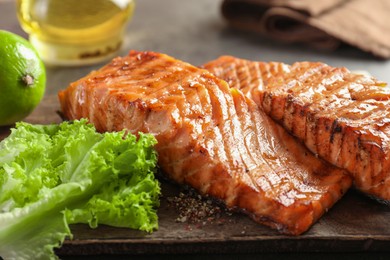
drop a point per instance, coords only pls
(75, 32)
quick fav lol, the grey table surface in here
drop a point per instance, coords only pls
(194, 31)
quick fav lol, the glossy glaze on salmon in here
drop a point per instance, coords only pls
(210, 137)
(341, 116)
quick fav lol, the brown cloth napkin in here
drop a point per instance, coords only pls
(323, 24)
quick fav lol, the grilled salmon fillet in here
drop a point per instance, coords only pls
(341, 116)
(210, 137)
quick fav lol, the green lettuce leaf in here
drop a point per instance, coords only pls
(55, 175)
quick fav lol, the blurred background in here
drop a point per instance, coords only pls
(197, 32)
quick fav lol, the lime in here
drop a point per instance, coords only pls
(22, 78)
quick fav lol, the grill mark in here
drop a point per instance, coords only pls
(288, 115)
(299, 124)
(270, 178)
(251, 90)
(223, 186)
(249, 77)
(246, 127)
(300, 87)
(235, 160)
(330, 104)
(163, 86)
(227, 124)
(171, 91)
(289, 185)
(292, 185)
(196, 150)
(234, 77)
(216, 128)
(326, 99)
(217, 119)
(301, 112)
(247, 158)
(243, 77)
(187, 161)
(244, 82)
(267, 78)
(277, 106)
(336, 88)
(324, 136)
(294, 111)
(252, 74)
(377, 115)
(256, 82)
(297, 75)
(258, 129)
(315, 88)
(362, 159)
(359, 161)
(208, 130)
(241, 84)
(336, 128)
(310, 123)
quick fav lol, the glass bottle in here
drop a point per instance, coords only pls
(75, 32)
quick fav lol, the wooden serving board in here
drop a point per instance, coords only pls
(355, 224)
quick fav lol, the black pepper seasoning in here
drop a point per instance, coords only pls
(198, 210)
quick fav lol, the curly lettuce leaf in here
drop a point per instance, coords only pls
(55, 175)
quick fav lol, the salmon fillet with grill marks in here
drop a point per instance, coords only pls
(210, 137)
(341, 116)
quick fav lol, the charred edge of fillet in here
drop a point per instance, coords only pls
(275, 106)
(288, 115)
(339, 130)
(324, 138)
(299, 127)
(358, 156)
(335, 129)
(317, 134)
(329, 127)
(265, 102)
(310, 131)
(374, 155)
(289, 99)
